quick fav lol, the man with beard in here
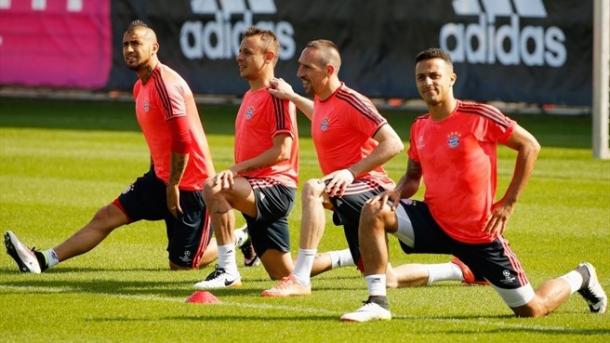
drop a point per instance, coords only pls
(453, 149)
(352, 141)
(170, 190)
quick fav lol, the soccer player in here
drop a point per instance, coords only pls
(263, 181)
(352, 141)
(453, 147)
(170, 190)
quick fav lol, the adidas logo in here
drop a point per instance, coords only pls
(217, 34)
(507, 43)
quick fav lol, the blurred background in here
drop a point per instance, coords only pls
(521, 55)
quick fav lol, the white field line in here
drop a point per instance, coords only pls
(299, 309)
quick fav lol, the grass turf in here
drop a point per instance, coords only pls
(61, 160)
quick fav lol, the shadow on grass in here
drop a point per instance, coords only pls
(221, 318)
(533, 329)
(66, 270)
(178, 288)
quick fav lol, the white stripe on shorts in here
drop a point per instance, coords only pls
(405, 228)
(518, 296)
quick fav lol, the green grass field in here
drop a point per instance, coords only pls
(61, 160)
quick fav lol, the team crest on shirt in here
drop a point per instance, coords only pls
(249, 112)
(324, 124)
(453, 140)
(146, 106)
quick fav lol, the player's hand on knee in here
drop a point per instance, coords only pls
(224, 179)
(338, 182)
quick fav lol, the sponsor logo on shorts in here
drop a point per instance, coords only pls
(186, 257)
(146, 105)
(453, 140)
(508, 278)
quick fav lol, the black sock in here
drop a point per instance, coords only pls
(380, 300)
(584, 272)
(42, 261)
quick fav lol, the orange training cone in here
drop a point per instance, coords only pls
(202, 297)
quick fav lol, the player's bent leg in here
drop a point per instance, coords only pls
(313, 216)
(407, 275)
(103, 223)
(375, 220)
(278, 264)
(313, 220)
(209, 255)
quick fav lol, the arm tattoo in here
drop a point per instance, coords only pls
(178, 167)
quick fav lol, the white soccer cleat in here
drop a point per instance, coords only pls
(25, 258)
(593, 292)
(219, 279)
(370, 311)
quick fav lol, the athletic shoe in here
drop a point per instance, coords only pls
(469, 277)
(244, 242)
(250, 257)
(370, 311)
(287, 287)
(241, 236)
(219, 279)
(25, 258)
(593, 291)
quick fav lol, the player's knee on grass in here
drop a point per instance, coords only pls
(173, 266)
(278, 264)
(532, 309)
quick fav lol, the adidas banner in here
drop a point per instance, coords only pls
(535, 51)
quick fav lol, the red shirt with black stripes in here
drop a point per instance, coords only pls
(459, 162)
(260, 118)
(342, 128)
(168, 117)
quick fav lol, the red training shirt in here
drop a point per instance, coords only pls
(342, 129)
(459, 162)
(166, 97)
(260, 118)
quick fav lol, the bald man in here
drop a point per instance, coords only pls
(352, 141)
(170, 190)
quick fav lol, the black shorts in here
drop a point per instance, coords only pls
(269, 230)
(493, 261)
(348, 207)
(188, 235)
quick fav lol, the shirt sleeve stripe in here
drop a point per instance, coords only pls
(488, 112)
(163, 95)
(361, 106)
(279, 113)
